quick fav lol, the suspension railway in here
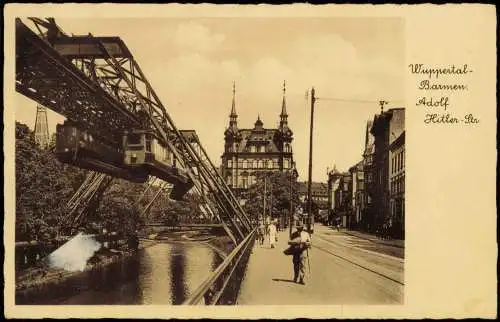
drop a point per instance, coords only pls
(117, 127)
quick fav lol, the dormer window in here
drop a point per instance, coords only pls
(262, 148)
(253, 149)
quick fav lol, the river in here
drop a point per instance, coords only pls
(162, 274)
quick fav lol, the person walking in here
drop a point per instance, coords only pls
(261, 232)
(273, 234)
(300, 240)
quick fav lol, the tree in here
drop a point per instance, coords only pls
(278, 184)
(43, 186)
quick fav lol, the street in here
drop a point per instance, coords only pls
(344, 269)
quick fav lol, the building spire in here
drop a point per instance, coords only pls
(233, 116)
(258, 123)
(233, 107)
(284, 114)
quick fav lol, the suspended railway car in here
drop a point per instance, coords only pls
(78, 147)
(146, 155)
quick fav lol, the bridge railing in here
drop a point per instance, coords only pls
(222, 285)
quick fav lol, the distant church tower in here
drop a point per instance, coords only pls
(41, 127)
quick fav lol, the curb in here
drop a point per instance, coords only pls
(377, 241)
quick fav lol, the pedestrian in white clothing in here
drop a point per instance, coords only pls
(273, 234)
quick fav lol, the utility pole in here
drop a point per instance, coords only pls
(271, 200)
(309, 183)
(265, 196)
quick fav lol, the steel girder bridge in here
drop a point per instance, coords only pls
(96, 83)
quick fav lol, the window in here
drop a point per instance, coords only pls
(253, 149)
(229, 163)
(229, 180)
(262, 149)
(240, 164)
(244, 164)
(255, 164)
(260, 164)
(285, 164)
(245, 182)
(134, 138)
(270, 164)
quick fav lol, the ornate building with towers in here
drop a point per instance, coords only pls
(250, 151)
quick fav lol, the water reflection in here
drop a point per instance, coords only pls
(162, 274)
(178, 287)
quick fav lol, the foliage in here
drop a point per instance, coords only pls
(169, 211)
(118, 209)
(43, 185)
(278, 185)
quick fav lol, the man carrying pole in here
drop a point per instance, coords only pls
(300, 242)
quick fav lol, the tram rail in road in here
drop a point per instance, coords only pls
(358, 263)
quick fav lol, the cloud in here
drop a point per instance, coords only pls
(195, 37)
(328, 52)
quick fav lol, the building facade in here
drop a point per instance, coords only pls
(343, 198)
(387, 127)
(319, 194)
(248, 152)
(340, 198)
(367, 220)
(357, 194)
(333, 185)
(397, 185)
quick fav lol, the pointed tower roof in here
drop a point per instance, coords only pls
(258, 123)
(284, 116)
(233, 107)
(283, 104)
(233, 117)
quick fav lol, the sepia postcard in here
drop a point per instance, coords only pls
(249, 161)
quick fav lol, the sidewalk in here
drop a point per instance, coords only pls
(268, 279)
(329, 279)
(392, 242)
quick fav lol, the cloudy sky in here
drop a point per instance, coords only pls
(192, 64)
